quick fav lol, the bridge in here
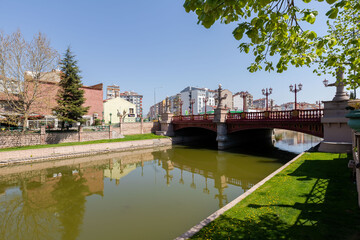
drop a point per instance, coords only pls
(305, 121)
(329, 124)
(224, 124)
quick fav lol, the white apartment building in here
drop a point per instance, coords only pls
(198, 95)
(238, 101)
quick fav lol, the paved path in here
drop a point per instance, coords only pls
(41, 154)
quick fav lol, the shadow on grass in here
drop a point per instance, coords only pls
(268, 226)
(330, 209)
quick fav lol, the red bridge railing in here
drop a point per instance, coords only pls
(190, 118)
(296, 115)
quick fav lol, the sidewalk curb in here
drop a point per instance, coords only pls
(54, 153)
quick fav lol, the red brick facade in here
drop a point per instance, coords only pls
(47, 99)
(94, 99)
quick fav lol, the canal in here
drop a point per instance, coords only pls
(145, 194)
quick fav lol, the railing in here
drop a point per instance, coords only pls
(205, 117)
(312, 114)
(303, 115)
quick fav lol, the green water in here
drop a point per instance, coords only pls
(145, 194)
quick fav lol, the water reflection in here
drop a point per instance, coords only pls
(294, 141)
(100, 196)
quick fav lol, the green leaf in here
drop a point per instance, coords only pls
(332, 42)
(332, 13)
(331, 1)
(312, 35)
(310, 18)
(239, 32)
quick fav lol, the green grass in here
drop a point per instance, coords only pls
(313, 198)
(126, 138)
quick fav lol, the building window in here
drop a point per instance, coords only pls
(131, 110)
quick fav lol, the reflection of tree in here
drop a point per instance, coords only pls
(70, 193)
(23, 218)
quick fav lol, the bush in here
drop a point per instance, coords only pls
(97, 122)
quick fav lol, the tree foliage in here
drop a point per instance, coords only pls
(70, 97)
(275, 29)
(343, 48)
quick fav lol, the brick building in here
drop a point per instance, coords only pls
(45, 100)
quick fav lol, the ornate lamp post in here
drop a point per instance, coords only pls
(244, 96)
(326, 82)
(266, 92)
(167, 105)
(319, 103)
(181, 104)
(295, 90)
(192, 106)
(205, 101)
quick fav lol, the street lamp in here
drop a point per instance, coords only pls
(205, 101)
(110, 118)
(326, 82)
(295, 90)
(266, 92)
(155, 114)
(319, 103)
(244, 96)
(192, 106)
(181, 104)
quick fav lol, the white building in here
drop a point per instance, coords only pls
(238, 101)
(115, 107)
(134, 98)
(197, 95)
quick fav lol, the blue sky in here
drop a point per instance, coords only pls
(141, 45)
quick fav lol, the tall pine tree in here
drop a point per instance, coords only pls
(70, 97)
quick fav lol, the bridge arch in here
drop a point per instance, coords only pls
(312, 128)
(210, 127)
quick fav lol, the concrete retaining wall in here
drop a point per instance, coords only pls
(30, 155)
(18, 139)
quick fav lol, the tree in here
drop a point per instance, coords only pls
(274, 28)
(70, 97)
(344, 52)
(23, 66)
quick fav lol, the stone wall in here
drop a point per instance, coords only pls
(14, 140)
(60, 137)
(91, 136)
(18, 139)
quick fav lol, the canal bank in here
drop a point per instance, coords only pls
(170, 188)
(311, 197)
(53, 153)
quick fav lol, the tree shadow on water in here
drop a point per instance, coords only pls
(268, 226)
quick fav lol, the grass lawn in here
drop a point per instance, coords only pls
(313, 198)
(126, 138)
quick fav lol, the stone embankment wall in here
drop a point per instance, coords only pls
(19, 139)
(52, 153)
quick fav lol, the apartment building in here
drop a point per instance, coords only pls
(193, 99)
(112, 91)
(238, 101)
(134, 98)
